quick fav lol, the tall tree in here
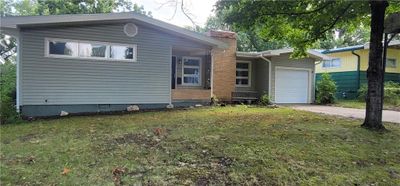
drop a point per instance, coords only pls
(247, 40)
(303, 23)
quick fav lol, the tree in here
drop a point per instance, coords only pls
(303, 23)
(344, 37)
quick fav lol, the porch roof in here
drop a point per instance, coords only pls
(10, 24)
(270, 53)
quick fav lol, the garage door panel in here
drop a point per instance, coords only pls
(291, 86)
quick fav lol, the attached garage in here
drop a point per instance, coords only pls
(276, 73)
(292, 85)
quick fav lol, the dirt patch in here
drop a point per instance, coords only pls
(28, 137)
(225, 161)
(139, 139)
(117, 175)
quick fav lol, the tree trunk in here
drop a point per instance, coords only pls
(373, 111)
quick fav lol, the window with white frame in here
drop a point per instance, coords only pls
(191, 71)
(333, 63)
(391, 63)
(243, 70)
(90, 50)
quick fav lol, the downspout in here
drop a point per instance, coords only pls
(358, 69)
(269, 73)
(18, 78)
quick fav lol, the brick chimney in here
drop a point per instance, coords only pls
(224, 65)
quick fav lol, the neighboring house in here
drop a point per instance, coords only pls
(348, 67)
(107, 62)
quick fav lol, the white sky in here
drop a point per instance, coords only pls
(200, 10)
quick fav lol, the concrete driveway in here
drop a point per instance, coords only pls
(388, 115)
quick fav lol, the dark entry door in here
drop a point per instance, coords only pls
(173, 72)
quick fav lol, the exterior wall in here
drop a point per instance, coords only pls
(191, 94)
(391, 53)
(62, 81)
(349, 61)
(262, 76)
(346, 82)
(285, 61)
(224, 66)
(346, 76)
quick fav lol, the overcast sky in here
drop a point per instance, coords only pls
(200, 10)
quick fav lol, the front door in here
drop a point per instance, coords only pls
(173, 72)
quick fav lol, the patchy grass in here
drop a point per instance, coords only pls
(361, 105)
(226, 145)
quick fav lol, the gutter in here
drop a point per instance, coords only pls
(358, 69)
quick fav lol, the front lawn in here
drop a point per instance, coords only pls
(226, 145)
(361, 105)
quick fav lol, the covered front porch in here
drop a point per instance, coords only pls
(252, 79)
(190, 75)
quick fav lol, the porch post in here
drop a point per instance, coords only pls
(212, 73)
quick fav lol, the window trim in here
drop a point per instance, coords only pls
(395, 63)
(106, 58)
(243, 77)
(331, 60)
(190, 66)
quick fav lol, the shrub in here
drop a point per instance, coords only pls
(391, 92)
(8, 113)
(264, 100)
(214, 101)
(326, 90)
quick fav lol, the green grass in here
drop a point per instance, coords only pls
(361, 105)
(225, 145)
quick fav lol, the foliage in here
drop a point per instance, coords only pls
(265, 99)
(344, 37)
(214, 146)
(247, 40)
(326, 90)
(300, 23)
(215, 101)
(391, 93)
(8, 113)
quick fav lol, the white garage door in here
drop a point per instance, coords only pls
(291, 86)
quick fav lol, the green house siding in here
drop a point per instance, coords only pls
(347, 85)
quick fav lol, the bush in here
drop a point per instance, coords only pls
(8, 113)
(326, 90)
(214, 101)
(391, 92)
(264, 100)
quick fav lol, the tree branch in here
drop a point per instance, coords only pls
(186, 14)
(302, 13)
(319, 34)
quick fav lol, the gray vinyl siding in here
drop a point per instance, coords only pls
(85, 81)
(285, 61)
(262, 76)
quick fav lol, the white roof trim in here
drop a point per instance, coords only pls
(13, 22)
(392, 43)
(269, 53)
